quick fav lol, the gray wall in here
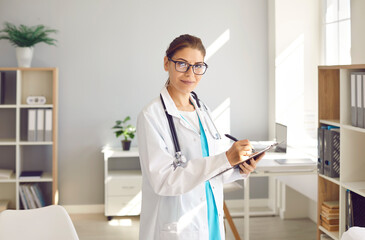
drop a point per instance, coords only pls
(110, 57)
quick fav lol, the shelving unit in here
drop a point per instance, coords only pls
(16, 152)
(334, 108)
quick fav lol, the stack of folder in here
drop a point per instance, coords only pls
(40, 125)
(330, 215)
(358, 99)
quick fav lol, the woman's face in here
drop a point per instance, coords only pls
(187, 81)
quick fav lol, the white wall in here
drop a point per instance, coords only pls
(357, 31)
(110, 60)
(295, 40)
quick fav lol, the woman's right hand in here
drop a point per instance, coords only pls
(239, 152)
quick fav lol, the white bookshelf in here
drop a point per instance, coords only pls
(334, 92)
(16, 152)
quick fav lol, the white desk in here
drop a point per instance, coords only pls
(269, 167)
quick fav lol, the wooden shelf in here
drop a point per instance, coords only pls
(356, 129)
(26, 143)
(334, 108)
(46, 177)
(334, 180)
(7, 106)
(7, 142)
(23, 154)
(334, 235)
(10, 180)
(331, 122)
(36, 106)
(357, 187)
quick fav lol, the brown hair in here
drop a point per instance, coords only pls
(181, 42)
(184, 41)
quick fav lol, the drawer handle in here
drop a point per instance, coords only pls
(127, 187)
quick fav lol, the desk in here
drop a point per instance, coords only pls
(268, 167)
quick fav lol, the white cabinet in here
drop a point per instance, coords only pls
(122, 187)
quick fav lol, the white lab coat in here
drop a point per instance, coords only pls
(174, 201)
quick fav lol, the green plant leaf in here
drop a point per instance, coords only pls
(127, 119)
(24, 36)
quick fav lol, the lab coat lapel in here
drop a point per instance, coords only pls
(172, 109)
(210, 140)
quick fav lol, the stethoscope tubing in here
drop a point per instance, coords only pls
(178, 155)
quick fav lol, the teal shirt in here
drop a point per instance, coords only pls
(213, 220)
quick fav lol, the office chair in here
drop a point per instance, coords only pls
(51, 222)
(354, 233)
(229, 187)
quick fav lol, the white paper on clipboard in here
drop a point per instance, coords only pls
(254, 155)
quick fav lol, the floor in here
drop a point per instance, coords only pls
(96, 227)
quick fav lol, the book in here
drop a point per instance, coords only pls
(330, 221)
(5, 173)
(4, 205)
(330, 210)
(22, 197)
(330, 227)
(30, 174)
(35, 196)
(28, 196)
(331, 204)
(330, 215)
(39, 194)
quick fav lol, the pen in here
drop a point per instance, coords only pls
(231, 137)
(235, 139)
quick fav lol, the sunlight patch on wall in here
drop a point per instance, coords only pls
(217, 44)
(222, 118)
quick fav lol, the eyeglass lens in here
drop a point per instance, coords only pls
(198, 69)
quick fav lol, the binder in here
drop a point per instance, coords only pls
(40, 124)
(32, 127)
(320, 164)
(2, 87)
(332, 152)
(359, 105)
(48, 125)
(353, 100)
(363, 100)
(22, 197)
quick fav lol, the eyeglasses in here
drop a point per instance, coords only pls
(198, 69)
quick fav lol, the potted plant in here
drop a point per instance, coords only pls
(24, 38)
(125, 130)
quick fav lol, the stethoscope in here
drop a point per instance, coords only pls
(180, 160)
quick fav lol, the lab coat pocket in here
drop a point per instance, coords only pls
(170, 232)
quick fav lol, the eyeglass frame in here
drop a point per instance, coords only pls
(189, 65)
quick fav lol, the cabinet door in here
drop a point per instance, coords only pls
(124, 206)
(124, 186)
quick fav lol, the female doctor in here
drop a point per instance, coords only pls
(182, 194)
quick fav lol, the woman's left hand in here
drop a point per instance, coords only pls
(249, 168)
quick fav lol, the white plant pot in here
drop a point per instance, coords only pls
(24, 56)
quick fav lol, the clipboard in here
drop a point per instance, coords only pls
(253, 155)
